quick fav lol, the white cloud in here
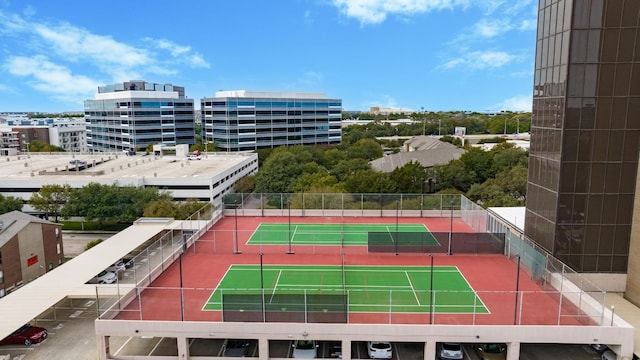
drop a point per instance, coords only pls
(528, 24)
(52, 78)
(63, 46)
(78, 44)
(516, 103)
(376, 11)
(491, 27)
(477, 60)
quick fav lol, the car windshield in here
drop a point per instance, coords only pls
(493, 348)
(381, 346)
(305, 345)
(451, 347)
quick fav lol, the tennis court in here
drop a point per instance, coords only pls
(403, 289)
(340, 234)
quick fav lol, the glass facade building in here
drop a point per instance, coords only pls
(135, 114)
(251, 120)
(585, 132)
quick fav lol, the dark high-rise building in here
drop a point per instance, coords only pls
(585, 132)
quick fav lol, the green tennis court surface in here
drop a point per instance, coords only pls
(338, 234)
(368, 288)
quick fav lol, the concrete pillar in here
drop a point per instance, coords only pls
(346, 349)
(513, 351)
(102, 343)
(263, 348)
(429, 350)
(183, 347)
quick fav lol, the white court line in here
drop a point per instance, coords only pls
(412, 288)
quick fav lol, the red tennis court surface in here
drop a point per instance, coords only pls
(180, 292)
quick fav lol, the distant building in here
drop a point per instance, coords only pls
(428, 151)
(29, 247)
(69, 135)
(244, 120)
(376, 110)
(135, 114)
(9, 142)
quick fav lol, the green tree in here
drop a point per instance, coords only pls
(507, 189)
(367, 149)
(41, 146)
(369, 182)
(110, 203)
(10, 203)
(348, 167)
(455, 175)
(279, 173)
(409, 178)
(51, 199)
(161, 208)
(245, 184)
(478, 162)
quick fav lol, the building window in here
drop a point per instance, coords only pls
(58, 248)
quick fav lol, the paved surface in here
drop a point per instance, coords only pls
(75, 243)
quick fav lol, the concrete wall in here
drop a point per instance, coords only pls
(619, 337)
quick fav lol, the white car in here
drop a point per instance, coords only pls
(305, 349)
(450, 351)
(107, 277)
(379, 349)
(118, 266)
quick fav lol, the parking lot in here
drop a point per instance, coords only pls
(71, 336)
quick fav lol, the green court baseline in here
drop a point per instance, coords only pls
(402, 289)
(333, 233)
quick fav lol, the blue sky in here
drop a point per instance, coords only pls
(440, 55)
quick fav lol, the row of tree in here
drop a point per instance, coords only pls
(491, 178)
(103, 203)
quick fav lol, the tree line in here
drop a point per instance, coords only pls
(490, 178)
(103, 203)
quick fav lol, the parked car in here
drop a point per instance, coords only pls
(600, 347)
(379, 350)
(118, 266)
(305, 349)
(236, 347)
(107, 277)
(335, 350)
(449, 351)
(491, 351)
(194, 157)
(77, 162)
(27, 335)
(128, 262)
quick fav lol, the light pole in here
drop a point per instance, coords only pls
(431, 291)
(396, 240)
(290, 251)
(262, 286)
(235, 235)
(505, 126)
(439, 122)
(515, 311)
(450, 227)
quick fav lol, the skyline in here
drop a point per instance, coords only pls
(432, 55)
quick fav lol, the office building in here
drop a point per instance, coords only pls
(136, 114)
(585, 132)
(250, 120)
